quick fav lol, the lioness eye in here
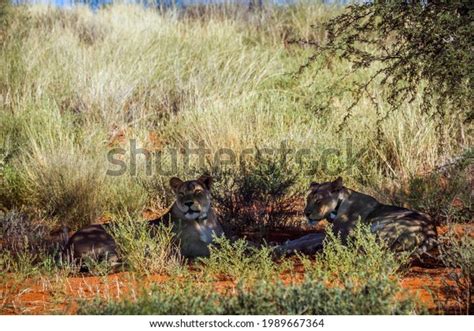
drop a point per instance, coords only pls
(198, 191)
(180, 194)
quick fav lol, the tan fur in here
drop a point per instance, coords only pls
(401, 228)
(192, 217)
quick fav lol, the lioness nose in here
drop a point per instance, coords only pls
(188, 203)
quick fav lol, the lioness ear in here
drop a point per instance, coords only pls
(313, 185)
(206, 180)
(175, 183)
(337, 184)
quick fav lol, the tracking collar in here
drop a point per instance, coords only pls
(333, 214)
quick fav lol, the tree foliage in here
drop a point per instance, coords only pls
(415, 46)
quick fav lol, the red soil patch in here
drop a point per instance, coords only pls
(459, 229)
(435, 288)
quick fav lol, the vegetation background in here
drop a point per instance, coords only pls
(76, 83)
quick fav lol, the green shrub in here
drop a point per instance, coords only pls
(363, 258)
(458, 252)
(144, 249)
(239, 262)
(174, 299)
(315, 298)
(258, 194)
(308, 298)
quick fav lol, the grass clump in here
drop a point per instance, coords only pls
(144, 249)
(28, 248)
(361, 259)
(68, 186)
(238, 261)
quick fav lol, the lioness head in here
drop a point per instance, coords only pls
(322, 200)
(193, 197)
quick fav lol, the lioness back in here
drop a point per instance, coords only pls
(403, 229)
(94, 242)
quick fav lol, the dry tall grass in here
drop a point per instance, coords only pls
(75, 84)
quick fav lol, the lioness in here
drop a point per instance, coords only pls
(192, 216)
(401, 228)
(193, 221)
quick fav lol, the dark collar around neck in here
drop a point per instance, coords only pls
(333, 214)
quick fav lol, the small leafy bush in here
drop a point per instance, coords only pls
(458, 252)
(239, 262)
(144, 249)
(257, 195)
(363, 258)
(315, 298)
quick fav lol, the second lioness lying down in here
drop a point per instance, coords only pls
(192, 217)
(402, 229)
